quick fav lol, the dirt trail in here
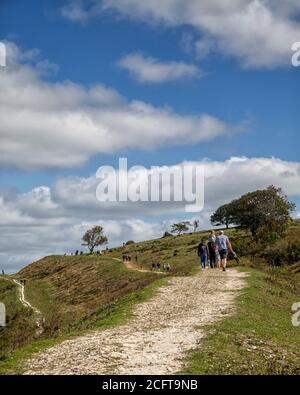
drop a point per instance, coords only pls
(26, 303)
(137, 266)
(155, 339)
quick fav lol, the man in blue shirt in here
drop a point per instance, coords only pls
(223, 246)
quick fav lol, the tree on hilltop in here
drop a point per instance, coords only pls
(267, 209)
(180, 227)
(94, 237)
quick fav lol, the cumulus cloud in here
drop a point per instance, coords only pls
(259, 33)
(44, 124)
(149, 69)
(48, 220)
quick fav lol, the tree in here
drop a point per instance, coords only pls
(267, 208)
(223, 216)
(196, 224)
(94, 237)
(180, 227)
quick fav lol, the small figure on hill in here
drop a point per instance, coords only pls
(76, 252)
(3, 273)
(166, 267)
(156, 266)
(81, 252)
(203, 253)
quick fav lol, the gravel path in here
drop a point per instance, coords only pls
(26, 303)
(155, 339)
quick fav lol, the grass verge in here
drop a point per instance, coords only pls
(260, 338)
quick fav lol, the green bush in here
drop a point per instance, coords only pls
(283, 252)
(129, 242)
(245, 246)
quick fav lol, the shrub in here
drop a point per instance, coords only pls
(129, 242)
(283, 252)
(244, 246)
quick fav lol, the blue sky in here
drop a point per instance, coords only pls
(260, 102)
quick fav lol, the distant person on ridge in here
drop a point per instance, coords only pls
(203, 253)
(223, 246)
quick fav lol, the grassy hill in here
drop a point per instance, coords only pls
(78, 293)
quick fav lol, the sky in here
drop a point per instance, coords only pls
(162, 83)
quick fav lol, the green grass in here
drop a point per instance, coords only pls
(259, 338)
(20, 322)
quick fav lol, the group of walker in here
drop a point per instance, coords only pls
(213, 252)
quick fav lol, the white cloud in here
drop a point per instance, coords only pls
(48, 220)
(148, 69)
(259, 33)
(63, 124)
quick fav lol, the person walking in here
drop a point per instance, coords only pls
(203, 253)
(212, 249)
(223, 247)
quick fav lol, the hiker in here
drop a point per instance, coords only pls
(203, 253)
(166, 267)
(223, 246)
(3, 274)
(212, 249)
(156, 266)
